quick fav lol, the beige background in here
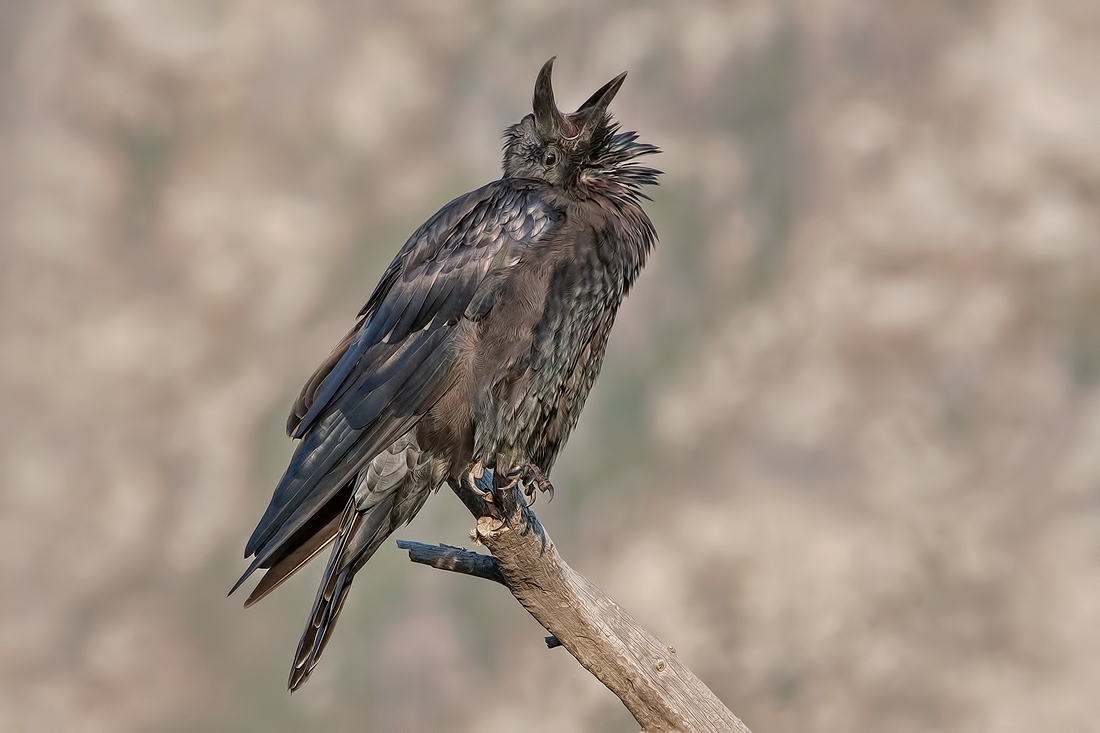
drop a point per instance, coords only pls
(845, 453)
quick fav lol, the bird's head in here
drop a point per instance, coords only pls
(559, 147)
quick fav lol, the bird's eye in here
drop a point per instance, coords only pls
(549, 158)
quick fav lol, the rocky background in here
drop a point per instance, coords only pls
(845, 453)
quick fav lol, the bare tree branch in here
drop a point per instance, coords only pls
(662, 694)
(455, 559)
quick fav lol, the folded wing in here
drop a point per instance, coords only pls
(393, 366)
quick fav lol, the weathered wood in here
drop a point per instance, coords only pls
(662, 694)
(454, 559)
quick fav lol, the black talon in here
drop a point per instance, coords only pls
(531, 478)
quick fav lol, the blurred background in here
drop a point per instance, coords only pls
(845, 452)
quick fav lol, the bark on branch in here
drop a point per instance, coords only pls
(662, 694)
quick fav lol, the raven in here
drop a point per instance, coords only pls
(479, 344)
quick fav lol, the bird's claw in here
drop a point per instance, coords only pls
(476, 472)
(531, 479)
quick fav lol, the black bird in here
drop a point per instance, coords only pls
(480, 343)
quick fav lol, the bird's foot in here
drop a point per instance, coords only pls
(531, 479)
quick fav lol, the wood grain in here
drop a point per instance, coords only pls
(662, 694)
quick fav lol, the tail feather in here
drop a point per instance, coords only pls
(337, 579)
(388, 492)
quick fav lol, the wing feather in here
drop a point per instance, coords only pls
(390, 369)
